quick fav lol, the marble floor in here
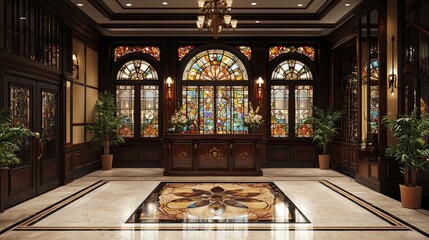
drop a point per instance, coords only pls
(99, 205)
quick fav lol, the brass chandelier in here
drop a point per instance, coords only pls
(215, 16)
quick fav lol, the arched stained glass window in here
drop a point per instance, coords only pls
(292, 70)
(215, 65)
(291, 101)
(137, 70)
(373, 70)
(138, 100)
(215, 108)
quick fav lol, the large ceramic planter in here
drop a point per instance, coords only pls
(106, 162)
(411, 197)
(324, 161)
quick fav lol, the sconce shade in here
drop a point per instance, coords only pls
(260, 81)
(169, 81)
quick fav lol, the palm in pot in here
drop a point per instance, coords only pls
(106, 126)
(324, 130)
(411, 151)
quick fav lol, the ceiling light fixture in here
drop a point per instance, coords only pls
(23, 18)
(128, 5)
(80, 4)
(164, 3)
(347, 4)
(253, 4)
(257, 21)
(215, 15)
(300, 5)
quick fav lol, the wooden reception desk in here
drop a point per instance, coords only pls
(208, 155)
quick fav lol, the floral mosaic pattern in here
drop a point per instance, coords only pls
(20, 106)
(49, 100)
(217, 202)
(247, 51)
(305, 50)
(124, 50)
(183, 51)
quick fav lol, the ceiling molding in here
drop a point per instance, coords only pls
(242, 26)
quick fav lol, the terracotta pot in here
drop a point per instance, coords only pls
(324, 161)
(106, 162)
(411, 197)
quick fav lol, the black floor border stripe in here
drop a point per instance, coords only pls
(357, 203)
(217, 229)
(11, 227)
(383, 211)
(64, 205)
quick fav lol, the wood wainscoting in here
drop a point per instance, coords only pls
(138, 153)
(81, 159)
(290, 154)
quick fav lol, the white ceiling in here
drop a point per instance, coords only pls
(277, 17)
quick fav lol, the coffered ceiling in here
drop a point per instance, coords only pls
(255, 17)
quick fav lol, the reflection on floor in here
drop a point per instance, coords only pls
(216, 203)
(282, 204)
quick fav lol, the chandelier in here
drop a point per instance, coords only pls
(215, 16)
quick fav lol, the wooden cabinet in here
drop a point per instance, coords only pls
(193, 154)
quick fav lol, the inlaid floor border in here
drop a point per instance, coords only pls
(397, 224)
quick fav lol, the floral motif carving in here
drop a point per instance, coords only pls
(183, 155)
(214, 154)
(243, 155)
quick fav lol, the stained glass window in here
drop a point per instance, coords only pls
(303, 109)
(305, 50)
(373, 93)
(20, 106)
(280, 111)
(292, 70)
(373, 68)
(213, 108)
(137, 70)
(373, 109)
(124, 50)
(291, 81)
(48, 116)
(349, 96)
(183, 51)
(247, 51)
(125, 105)
(215, 65)
(140, 94)
(149, 111)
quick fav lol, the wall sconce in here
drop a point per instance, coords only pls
(392, 78)
(75, 65)
(169, 82)
(260, 81)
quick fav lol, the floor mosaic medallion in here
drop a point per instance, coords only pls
(217, 202)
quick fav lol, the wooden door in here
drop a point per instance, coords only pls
(34, 105)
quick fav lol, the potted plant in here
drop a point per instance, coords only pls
(106, 126)
(11, 138)
(324, 130)
(411, 151)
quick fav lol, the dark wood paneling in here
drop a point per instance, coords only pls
(244, 156)
(49, 171)
(67, 165)
(304, 153)
(183, 153)
(127, 153)
(212, 155)
(78, 160)
(150, 152)
(292, 155)
(21, 179)
(279, 153)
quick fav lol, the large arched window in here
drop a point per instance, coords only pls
(137, 97)
(291, 98)
(215, 90)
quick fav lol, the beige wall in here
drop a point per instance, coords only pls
(82, 94)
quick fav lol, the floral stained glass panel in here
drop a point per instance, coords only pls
(305, 50)
(232, 102)
(292, 70)
(279, 111)
(125, 106)
(20, 106)
(137, 70)
(183, 51)
(124, 50)
(247, 51)
(303, 109)
(373, 67)
(215, 65)
(48, 116)
(206, 110)
(149, 111)
(373, 109)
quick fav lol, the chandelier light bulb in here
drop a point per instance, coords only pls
(227, 19)
(201, 3)
(201, 18)
(228, 3)
(234, 23)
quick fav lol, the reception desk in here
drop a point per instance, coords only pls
(206, 155)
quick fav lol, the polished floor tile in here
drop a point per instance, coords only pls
(282, 204)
